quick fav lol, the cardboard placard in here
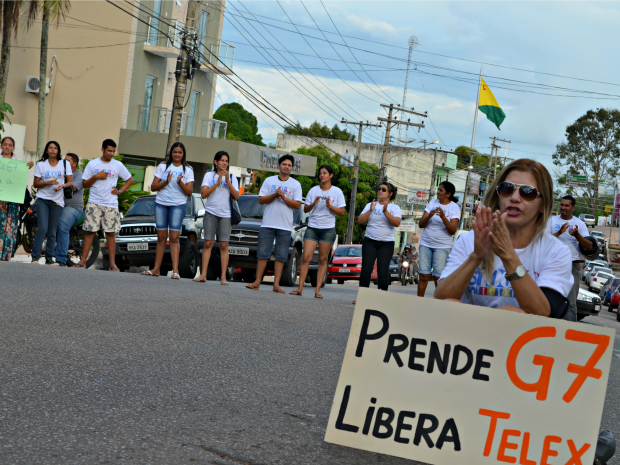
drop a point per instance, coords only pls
(13, 180)
(447, 383)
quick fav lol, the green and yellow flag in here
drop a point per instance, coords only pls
(489, 106)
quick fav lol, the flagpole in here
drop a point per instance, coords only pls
(473, 135)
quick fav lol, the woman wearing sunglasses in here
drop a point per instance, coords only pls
(507, 261)
(378, 243)
(440, 221)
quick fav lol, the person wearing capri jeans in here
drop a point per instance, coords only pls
(217, 187)
(325, 202)
(440, 221)
(508, 261)
(173, 182)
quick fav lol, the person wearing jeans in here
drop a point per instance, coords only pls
(74, 207)
(378, 244)
(49, 178)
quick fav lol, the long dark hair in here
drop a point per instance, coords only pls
(46, 155)
(450, 189)
(218, 156)
(168, 159)
(13, 140)
(392, 189)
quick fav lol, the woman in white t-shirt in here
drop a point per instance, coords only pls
(218, 186)
(378, 244)
(440, 221)
(49, 178)
(325, 202)
(173, 182)
(507, 261)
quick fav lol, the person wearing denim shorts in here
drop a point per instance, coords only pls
(218, 186)
(282, 196)
(173, 182)
(440, 221)
(325, 202)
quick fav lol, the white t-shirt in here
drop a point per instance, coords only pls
(322, 217)
(172, 194)
(435, 235)
(101, 190)
(546, 259)
(279, 215)
(556, 222)
(218, 203)
(47, 172)
(379, 228)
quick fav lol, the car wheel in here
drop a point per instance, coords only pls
(618, 316)
(580, 316)
(248, 275)
(230, 274)
(313, 278)
(375, 282)
(212, 273)
(289, 273)
(188, 261)
(610, 308)
(328, 280)
(106, 263)
(341, 281)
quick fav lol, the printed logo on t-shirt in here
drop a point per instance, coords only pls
(288, 191)
(378, 212)
(558, 226)
(49, 175)
(222, 185)
(175, 175)
(110, 172)
(499, 286)
(332, 200)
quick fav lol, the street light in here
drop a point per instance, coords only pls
(428, 143)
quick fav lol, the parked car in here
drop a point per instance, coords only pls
(600, 237)
(346, 264)
(607, 288)
(394, 274)
(589, 220)
(597, 279)
(588, 304)
(137, 240)
(244, 242)
(589, 265)
(614, 301)
(555, 213)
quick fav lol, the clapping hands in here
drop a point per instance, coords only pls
(482, 231)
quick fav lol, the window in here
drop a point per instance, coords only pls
(149, 89)
(193, 108)
(153, 32)
(202, 31)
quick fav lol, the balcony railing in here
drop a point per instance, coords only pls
(172, 27)
(218, 53)
(157, 119)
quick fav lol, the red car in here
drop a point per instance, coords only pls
(614, 301)
(346, 264)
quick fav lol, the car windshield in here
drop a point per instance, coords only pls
(598, 269)
(395, 259)
(597, 233)
(145, 206)
(603, 276)
(348, 252)
(589, 217)
(250, 208)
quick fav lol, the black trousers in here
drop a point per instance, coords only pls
(382, 252)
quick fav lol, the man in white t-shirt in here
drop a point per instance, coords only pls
(282, 196)
(101, 212)
(572, 231)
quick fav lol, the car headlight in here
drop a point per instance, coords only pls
(585, 298)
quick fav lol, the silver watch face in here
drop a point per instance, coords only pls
(520, 271)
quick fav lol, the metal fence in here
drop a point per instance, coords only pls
(157, 119)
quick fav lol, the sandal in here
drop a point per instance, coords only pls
(318, 296)
(224, 283)
(199, 280)
(176, 276)
(251, 286)
(79, 265)
(148, 273)
(295, 292)
(114, 268)
(279, 291)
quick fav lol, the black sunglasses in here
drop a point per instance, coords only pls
(382, 189)
(527, 193)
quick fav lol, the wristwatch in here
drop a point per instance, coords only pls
(520, 272)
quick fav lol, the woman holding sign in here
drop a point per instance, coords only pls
(9, 211)
(325, 202)
(378, 244)
(507, 261)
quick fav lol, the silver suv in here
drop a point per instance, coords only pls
(589, 220)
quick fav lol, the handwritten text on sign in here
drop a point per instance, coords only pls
(13, 180)
(447, 383)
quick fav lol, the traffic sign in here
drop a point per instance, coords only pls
(419, 196)
(607, 208)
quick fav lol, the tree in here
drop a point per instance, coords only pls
(241, 123)
(480, 161)
(316, 130)
(591, 150)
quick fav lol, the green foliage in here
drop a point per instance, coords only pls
(591, 149)
(316, 130)
(241, 123)
(480, 160)
(4, 109)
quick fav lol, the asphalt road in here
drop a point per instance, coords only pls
(101, 367)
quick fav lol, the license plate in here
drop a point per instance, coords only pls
(238, 251)
(395, 275)
(344, 270)
(597, 308)
(131, 247)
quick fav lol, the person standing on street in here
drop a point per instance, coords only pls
(173, 182)
(440, 221)
(49, 178)
(101, 176)
(378, 244)
(325, 202)
(282, 196)
(217, 187)
(572, 231)
(9, 211)
(74, 207)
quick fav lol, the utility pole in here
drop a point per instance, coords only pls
(187, 63)
(361, 124)
(469, 168)
(493, 146)
(430, 191)
(391, 121)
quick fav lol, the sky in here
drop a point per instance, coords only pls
(525, 49)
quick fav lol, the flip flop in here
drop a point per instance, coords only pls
(224, 283)
(198, 280)
(114, 268)
(318, 296)
(249, 286)
(295, 292)
(279, 291)
(148, 273)
(79, 265)
(176, 276)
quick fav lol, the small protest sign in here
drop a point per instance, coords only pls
(447, 383)
(13, 180)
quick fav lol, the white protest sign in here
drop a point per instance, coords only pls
(447, 383)
(407, 226)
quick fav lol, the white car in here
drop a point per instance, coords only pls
(589, 220)
(589, 265)
(598, 279)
